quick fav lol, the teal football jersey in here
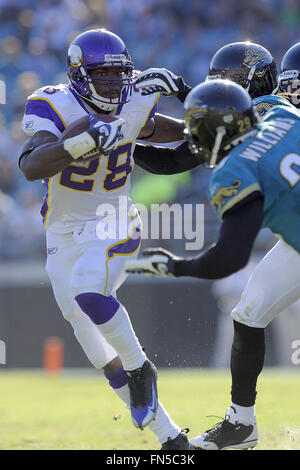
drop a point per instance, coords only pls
(267, 162)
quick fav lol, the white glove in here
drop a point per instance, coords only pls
(158, 80)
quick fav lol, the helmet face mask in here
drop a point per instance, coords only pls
(249, 65)
(100, 69)
(218, 115)
(289, 78)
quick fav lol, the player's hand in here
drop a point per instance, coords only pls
(156, 262)
(106, 135)
(158, 80)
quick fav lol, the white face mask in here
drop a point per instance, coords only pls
(105, 104)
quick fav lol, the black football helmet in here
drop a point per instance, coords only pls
(218, 115)
(289, 78)
(248, 64)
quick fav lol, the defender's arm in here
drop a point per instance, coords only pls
(162, 129)
(165, 161)
(230, 254)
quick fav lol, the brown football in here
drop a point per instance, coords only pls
(82, 125)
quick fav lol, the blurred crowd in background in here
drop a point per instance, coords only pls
(179, 35)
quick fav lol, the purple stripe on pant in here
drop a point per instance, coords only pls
(98, 307)
(126, 247)
(44, 207)
(117, 379)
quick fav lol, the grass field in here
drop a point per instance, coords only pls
(78, 410)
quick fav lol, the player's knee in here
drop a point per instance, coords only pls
(98, 307)
(253, 321)
(71, 314)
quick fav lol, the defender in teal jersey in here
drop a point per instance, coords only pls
(255, 184)
(268, 163)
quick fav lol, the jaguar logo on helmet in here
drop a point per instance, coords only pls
(253, 56)
(75, 55)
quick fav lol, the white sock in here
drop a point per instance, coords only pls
(124, 394)
(87, 334)
(119, 333)
(244, 414)
(162, 426)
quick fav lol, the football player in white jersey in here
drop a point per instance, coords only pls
(86, 270)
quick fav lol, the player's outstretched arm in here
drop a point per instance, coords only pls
(230, 254)
(155, 80)
(164, 160)
(162, 129)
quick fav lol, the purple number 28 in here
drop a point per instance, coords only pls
(115, 179)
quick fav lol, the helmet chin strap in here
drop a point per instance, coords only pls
(250, 76)
(221, 131)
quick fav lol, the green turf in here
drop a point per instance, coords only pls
(79, 411)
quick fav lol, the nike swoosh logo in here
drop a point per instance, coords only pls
(153, 404)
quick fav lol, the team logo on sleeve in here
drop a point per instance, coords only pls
(220, 196)
(28, 124)
(263, 108)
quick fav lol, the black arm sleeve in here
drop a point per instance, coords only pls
(231, 253)
(165, 161)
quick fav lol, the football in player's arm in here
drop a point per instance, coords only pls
(44, 155)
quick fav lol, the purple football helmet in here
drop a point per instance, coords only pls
(99, 49)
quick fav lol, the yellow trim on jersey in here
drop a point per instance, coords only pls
(158, 95)
(119, 254)
(52, 106)
(240, 196)
(47, 202)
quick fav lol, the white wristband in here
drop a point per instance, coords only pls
(79, 145)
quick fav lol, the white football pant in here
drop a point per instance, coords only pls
(273, 286)
(79, 262)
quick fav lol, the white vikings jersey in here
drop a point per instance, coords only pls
(74, 194)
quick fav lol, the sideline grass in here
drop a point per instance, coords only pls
(79, 411)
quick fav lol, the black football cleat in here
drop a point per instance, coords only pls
(180, 442)
(143, 394)
(227, 435)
